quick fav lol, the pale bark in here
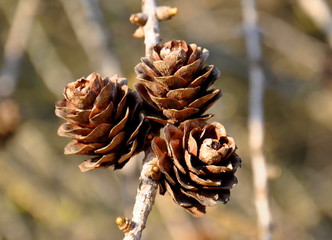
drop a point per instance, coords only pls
(256, 119)
(147, 188)
(151, 28)
(145, 197)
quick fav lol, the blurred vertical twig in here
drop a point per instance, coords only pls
(92, 34)
(256, 118)
(16, 41)
(321, 14)
(148, 186)
(43, 57)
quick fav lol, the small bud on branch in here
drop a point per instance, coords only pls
(124, 224)
(166, 12)
(138, 19)
(154, 172)
(139, 32)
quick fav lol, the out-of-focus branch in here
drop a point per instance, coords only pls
(85, 17)
(46, 61)
(290, 44)
(16, 41)
(256, 118)
(321, 14)
(44, 58)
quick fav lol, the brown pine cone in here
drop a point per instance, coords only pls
(174, 82)
(197, 162)
(104, 119)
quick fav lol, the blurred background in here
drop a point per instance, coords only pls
(46, 44)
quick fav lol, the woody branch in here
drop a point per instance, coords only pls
(256, 118)
(148, 185)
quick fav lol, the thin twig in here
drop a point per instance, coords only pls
(151, 28)
(256, 118)
(147, 189)
(145, 197)
(14, 47)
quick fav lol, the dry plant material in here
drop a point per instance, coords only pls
(161, 13)
(198, 163)
(174, 82)
(104, 118)
(139, 32)
(138, 19)
(165, 12)
(124, 224)
(154, 172)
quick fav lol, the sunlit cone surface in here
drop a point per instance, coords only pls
(103, 119)
(174, 82)
(198, 163)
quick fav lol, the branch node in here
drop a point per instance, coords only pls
(138, 18)
(149, 137)
(166, 12)
(124, 224)
(154, 172)
(139, 32)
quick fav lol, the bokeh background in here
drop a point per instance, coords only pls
(44, 44)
